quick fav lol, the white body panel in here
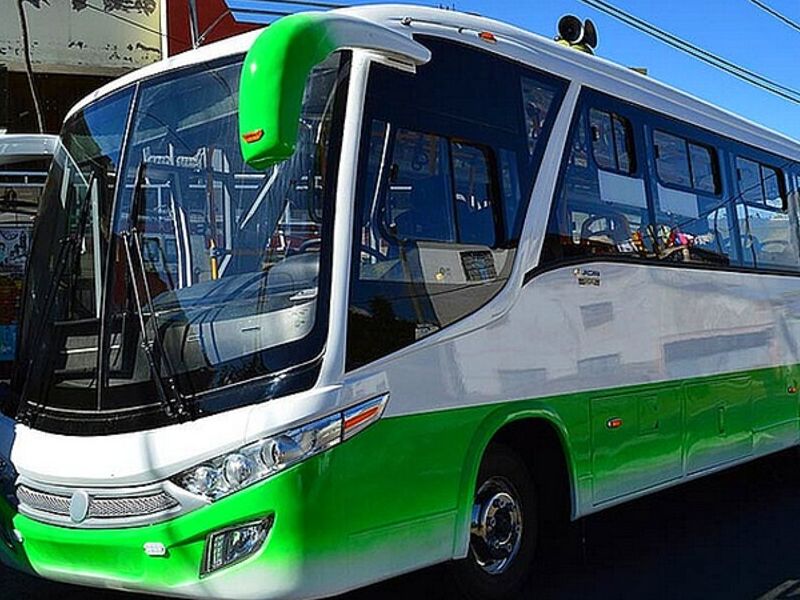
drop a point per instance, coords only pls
(548, 337)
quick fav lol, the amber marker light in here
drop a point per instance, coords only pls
(487, 36)
(362, 416)
(253, 136)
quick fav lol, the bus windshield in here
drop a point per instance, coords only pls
(169, 279)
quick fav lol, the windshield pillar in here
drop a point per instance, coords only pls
(334, 362)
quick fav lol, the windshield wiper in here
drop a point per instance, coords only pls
(157, 359)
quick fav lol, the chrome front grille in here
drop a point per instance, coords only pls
(123, 508)
(103, 509)
(44, 502)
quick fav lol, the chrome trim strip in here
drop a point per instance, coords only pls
(108, 508)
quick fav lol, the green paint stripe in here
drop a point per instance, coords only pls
(398, 495)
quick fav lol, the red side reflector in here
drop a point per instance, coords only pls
(615, 423)
(253, 136)
(487, 36)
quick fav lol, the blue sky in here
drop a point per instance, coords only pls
(734, 29)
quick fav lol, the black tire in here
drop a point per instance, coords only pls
(501, 466)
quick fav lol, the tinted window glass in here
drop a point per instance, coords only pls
(603, 139)
(767, 226)
(623, 144)
(418, 206)
(448, 169)
(672, 159)
(510, 187)
(749, 175)
(612, 141)
(597, 212)
(417, 268)
(772, 189)
(537, 101)
(760, 184)
(704, 172)
(475, 204)
(768, 238)
(694, 230)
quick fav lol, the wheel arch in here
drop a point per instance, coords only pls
(528, 432)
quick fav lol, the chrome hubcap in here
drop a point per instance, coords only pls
(496, 532)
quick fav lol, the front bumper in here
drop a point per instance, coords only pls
(290, 564)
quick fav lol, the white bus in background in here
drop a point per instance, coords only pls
(24, 162)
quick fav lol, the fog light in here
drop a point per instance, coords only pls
(230, 546)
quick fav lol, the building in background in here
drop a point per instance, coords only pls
(215, 21)
(76, 46)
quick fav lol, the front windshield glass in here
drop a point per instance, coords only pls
(189, 283)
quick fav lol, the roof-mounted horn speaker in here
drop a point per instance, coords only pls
(570, 29)
(589, 34)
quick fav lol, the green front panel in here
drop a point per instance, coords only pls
(382, 502)
(636, 441)
(719, 421)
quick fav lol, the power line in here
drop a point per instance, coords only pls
(747, 75)
(780, 16)
(207, 31)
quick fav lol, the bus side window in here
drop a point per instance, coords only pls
(417, 206)
(766, 224)
(446, 176)
(612, 141)
(693, 219)
(429, 244)
(474, 190)
(601, 206)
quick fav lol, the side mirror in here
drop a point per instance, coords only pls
(277, 67)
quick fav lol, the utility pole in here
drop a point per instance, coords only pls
(23, 22)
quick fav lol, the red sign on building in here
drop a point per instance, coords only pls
(214, 23)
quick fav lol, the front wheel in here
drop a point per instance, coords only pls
(503, 530)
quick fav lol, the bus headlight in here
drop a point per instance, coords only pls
(255, 462)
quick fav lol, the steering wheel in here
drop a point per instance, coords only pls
(621, 227)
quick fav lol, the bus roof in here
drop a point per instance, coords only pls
(20, 147)
(518, 44)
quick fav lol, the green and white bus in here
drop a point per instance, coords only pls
(381, 288)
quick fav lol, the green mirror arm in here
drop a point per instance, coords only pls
(277, 67)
